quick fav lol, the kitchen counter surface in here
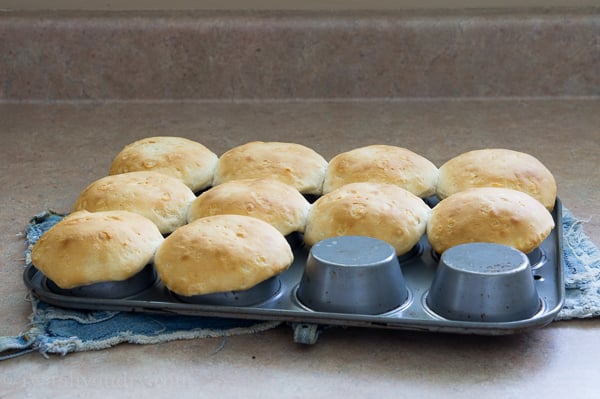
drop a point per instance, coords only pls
(50, 152)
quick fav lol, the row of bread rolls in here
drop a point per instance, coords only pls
(306, 170)
(198, 167)
(390, 213)
(213, 254)
(374, 190)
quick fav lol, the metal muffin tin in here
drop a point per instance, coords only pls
(278, 298)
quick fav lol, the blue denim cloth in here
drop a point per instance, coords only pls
(582, 271)
(57, 330)
(64, 331)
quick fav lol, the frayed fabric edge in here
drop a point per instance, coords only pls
(582, 294)
(47, 345)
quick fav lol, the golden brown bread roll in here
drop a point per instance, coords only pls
(268, 199)
(293, 164)
(489, 214)
(498, 167)
(221, 253)
(163, 199)
(86, 248)
(377, 210)
(184, 159)
(382, 164)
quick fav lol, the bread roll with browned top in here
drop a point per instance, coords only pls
(163, 199)
(86, 248)
(377, 210)
(489, 214)
(184, 159)
(382, 164)
(498, 167)
(268, 199)
(290, 163)
(221, 253)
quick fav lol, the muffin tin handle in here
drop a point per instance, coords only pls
(306, 333)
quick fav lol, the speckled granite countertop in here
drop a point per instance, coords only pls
(59, 134)
(53, 56)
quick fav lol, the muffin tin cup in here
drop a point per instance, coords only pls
(537, 258)
(484, 282)
(110, 289)
(252, 296)
(352, 274)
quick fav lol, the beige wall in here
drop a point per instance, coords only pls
(283, 4)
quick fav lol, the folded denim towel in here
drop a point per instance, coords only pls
(582, 271)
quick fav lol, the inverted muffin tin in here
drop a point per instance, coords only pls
(305, 295)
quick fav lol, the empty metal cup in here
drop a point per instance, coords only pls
(483, 282)
(352, 274)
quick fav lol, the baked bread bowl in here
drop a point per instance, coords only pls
(379, 210)
(489, 214)
(185, 159)
(267, 199)
(163, 199)
(290, 163)
(86, 248)
(382, 164)
(498, 167)
(221, 253)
